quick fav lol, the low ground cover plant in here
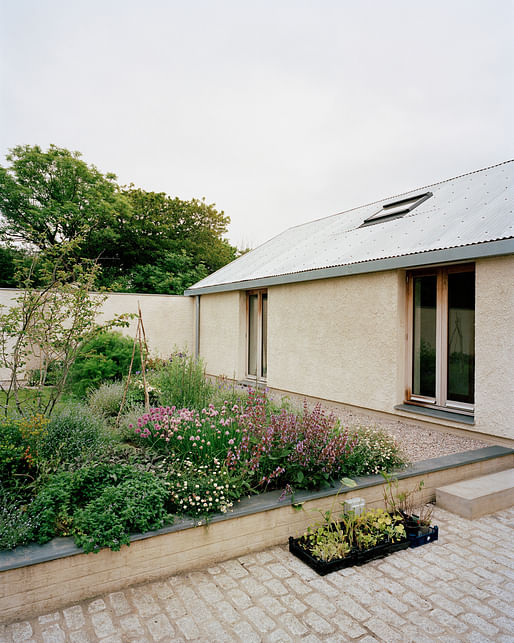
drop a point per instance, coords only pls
(98, 474)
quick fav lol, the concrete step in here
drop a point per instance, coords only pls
(478, 496)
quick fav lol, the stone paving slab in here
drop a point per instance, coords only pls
(460, 588)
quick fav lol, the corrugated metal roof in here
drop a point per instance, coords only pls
(471, 209)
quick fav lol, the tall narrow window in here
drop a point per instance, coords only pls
(461, 337)
(424, 335)
(442, 337)
(257, 333)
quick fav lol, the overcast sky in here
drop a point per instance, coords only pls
(278, 111)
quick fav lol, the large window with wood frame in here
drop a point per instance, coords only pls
(442, 337)
(257, 333)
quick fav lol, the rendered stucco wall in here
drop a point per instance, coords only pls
(168, 320)
(339, 339)
(222, 333)
(7, 299)
(494, 346)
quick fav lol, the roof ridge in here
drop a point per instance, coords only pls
(395, 196)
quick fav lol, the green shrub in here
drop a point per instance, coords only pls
(52, 376)
(72, 432)
(182, 383)
(100, 506)
(374, 451)
(12, 448)
(106, 399)
(135, 505)
(106, 357)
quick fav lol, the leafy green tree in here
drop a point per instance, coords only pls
(47, 198)
(158, 223)
(10, 260)
(141, 240)
(171, 274)
(50, 324)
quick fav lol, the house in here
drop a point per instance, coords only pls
(403, 306)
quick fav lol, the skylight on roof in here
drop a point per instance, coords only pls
(396, 209)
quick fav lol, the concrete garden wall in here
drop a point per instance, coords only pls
(168, 319)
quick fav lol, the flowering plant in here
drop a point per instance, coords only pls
(308, 450)
(200, 436)
(199, 490)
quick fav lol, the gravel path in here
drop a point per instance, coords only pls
(418, 442)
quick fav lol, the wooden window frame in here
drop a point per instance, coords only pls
(440, 401)
(259, 377)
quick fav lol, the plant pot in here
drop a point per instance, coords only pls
(423, 535)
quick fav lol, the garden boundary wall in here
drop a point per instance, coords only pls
(39, 578)
(168, 320)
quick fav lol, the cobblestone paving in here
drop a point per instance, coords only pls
(457, 589)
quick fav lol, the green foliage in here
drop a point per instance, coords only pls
(10, 260)
(53, 196)
(327, 542)
(72, 432)
(12, 447)
(337, 535)
(135, 505)
(161, 224)
(106, 399)
(374, 451)
(376, 526)
(144, 241)
(106, 357)
(182, 383)
(100, 506)
(170, 273)
(21, 439)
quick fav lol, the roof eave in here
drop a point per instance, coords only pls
(429, 257)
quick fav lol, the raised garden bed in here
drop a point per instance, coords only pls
(39, 578)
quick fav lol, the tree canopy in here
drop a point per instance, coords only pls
(144, 241)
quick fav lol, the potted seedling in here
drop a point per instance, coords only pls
(417, 514)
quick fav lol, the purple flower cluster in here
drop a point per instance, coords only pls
(312, 446)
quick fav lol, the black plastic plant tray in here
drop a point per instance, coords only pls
(416, 540)
(380, 551)
(319, 566)
(355, 557)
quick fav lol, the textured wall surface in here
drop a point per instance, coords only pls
(222, 333)
(168, 320)
(494, 346)
(338, 339)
